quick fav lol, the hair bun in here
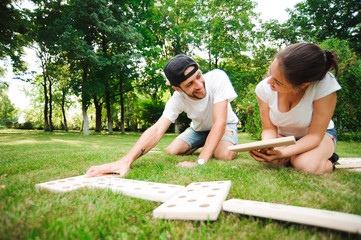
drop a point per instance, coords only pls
(328, 55)
(328, 59)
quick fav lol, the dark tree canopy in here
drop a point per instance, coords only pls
(13, 28)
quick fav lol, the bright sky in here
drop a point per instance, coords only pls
(269, 9)
(275, 9)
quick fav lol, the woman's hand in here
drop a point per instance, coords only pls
(269, 156)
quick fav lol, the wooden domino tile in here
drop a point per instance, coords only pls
(349, 161)
(198, 201)
(152, 191)
(158, 192)
(309, 216)
(354, 164)
(68, 184)
(276, 142)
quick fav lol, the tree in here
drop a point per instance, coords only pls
(154, 23)
(318, 20)
(62, 90)
(227, 28)
(92, 35)
(44, 34)
(7, 109)
(104, 42)
(45, 59)
(13, 33)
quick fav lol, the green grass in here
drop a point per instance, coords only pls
(31, 157)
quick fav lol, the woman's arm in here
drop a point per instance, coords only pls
(323, 109)
(269, 131)
(322, 112)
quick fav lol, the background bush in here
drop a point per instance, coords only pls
(347, 114)
(9, 124)
(348, 111)
(27, 125)
(248, 112)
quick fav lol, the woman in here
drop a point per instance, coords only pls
(298, 99)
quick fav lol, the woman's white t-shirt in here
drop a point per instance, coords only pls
(218, 88)
(296, 122)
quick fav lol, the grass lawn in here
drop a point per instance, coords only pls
(31, 157)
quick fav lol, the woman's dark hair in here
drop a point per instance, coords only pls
(306, 62)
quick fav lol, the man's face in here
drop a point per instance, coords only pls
(194, 86)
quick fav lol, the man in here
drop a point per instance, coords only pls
(206, 100)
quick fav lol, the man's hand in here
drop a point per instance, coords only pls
(187, 164)
(118, 167)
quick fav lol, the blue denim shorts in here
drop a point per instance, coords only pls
(197, 139)
(332, 134)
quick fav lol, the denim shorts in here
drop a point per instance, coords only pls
(332, 134)
(197, 139)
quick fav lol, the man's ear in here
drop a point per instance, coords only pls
(177, 89)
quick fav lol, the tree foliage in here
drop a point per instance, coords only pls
(319, 20)
(348, 112)
(97, 41)
(227, 28)
(7, 109)
(111, 53)
(13, 33)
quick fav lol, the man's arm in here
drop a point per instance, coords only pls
(215, 135)
(146, 142)
(217, 130)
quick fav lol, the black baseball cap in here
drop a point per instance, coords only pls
(174, 69)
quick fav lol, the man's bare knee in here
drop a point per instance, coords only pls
(179, 147)
(222, 151)
(171, 151)
(225, 155)
(174, 148)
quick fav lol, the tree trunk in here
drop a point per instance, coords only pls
(109, 113)
(62, 104)
(121, 106)
(98, 114)
(51, 127)
(110, 124)
(45, 86)
(210, 59)
(107, 94)
(176, 127)
(84, 100)
(46, 120)
(85, 121)
(176, 122)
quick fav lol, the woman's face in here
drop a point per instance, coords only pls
(277, 80)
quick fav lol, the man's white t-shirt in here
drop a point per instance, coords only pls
(218, 88)
(297, 121)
